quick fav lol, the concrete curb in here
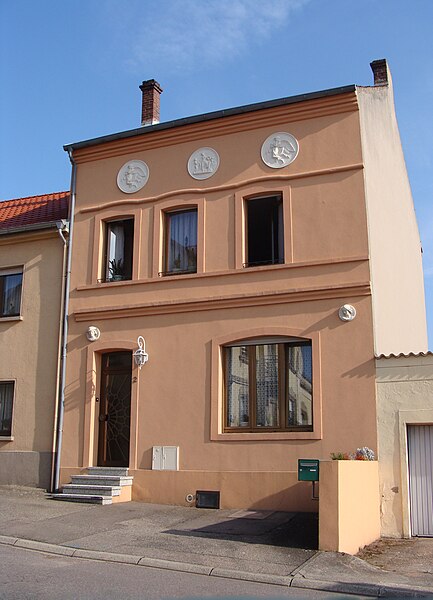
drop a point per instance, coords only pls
(293, 580)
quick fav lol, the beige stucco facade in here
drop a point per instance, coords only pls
(329, 213)
(404, 397)
(29, 352)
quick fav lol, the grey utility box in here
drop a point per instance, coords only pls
(308, 469)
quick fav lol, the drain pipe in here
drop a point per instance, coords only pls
(62, 383)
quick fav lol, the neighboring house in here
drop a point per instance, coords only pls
(31, 283)
(405, 421)
(260, 252)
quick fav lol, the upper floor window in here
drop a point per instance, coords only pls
(10, 292)
(181, 242)
(268, 386)
(119, 241)
(265, 234)
(6, 401)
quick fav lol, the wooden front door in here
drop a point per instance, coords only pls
(115, 411)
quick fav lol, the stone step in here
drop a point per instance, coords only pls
(119, 471)
(92, 490)
(105, 480)
(85, 498)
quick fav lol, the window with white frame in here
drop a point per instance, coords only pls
(268, 385)
(119, 241)
(10, 292)
(6, 404)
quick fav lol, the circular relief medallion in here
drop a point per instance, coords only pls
(203, 163)
(279, 150)
(132, 176)
(347, 312)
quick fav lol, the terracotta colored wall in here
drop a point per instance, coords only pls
(176, 396)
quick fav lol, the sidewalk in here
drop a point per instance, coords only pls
(270, 547)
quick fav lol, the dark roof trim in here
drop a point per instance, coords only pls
(30, 227)
(210, 116)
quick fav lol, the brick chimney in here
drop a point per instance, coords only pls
(380, 71)
(151, 91)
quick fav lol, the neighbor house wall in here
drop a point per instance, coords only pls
(404, 397)
(29, 356)
(394, 241)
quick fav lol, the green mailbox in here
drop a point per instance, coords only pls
(308, 470)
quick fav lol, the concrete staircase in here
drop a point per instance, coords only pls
(101, 485)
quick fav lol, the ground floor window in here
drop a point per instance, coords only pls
(268, 386)
(6, 402)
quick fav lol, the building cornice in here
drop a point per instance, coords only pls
(224, 302)
(213, 125)
(23, 235)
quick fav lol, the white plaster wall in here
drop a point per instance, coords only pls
(404, 396)
(394, 242)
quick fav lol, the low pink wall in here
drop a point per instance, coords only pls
(349, 505)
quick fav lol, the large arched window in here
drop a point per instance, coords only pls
(268, 385)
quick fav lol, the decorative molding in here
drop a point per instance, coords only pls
(224, 302)
(279, 150)
(243, 272)
(347, 312)
(203, 163)
(132, 176)
(254, 119)
(220, 188)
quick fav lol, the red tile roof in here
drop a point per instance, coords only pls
(24, 212)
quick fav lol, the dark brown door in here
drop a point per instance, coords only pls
(115, 412)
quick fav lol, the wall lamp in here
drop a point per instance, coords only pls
(140, 355)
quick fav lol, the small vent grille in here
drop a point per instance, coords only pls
(206, 499)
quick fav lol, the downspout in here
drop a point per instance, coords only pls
(60, 227)
(62, 383)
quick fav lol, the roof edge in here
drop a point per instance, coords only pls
(31, 227)
(404, 355)
(209, 116)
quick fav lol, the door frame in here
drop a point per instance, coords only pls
(104, 407)
(92, 404)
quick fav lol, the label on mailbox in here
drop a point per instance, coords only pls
(308, 469)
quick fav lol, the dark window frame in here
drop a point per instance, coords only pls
(283, 381)
(3, 431)
(6, 273)
(259, 251)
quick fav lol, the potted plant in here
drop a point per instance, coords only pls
(116, 269)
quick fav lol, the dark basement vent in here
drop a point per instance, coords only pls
(207, 499)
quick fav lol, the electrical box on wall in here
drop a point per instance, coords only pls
(165, 458)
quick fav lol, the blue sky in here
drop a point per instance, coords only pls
(70, 70)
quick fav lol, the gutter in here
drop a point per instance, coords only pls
(32, 227)
(64, 334)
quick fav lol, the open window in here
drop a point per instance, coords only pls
(10, 292)
(265, 233)
(6, 405)
(268, 386)
(180, 242)
(119, 241)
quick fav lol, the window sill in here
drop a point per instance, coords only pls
(267, 436)
(6, 438)
(17, 318)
